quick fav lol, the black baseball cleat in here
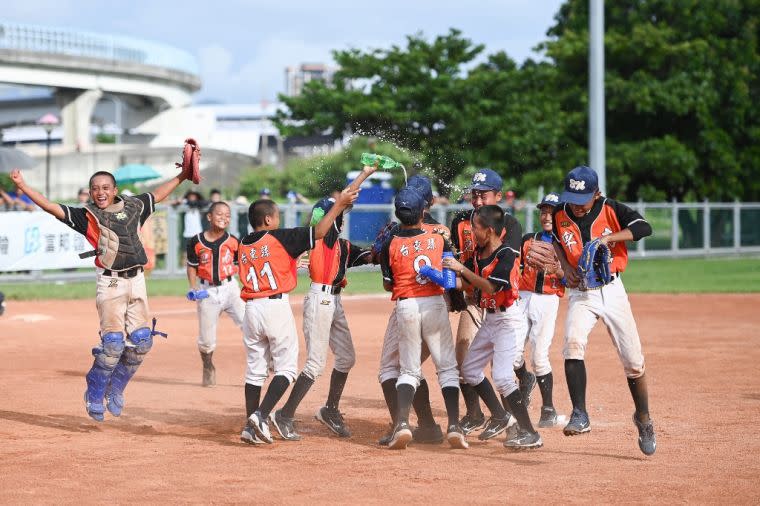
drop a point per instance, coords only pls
(428, 434)
(260, 427)
(456, 437)
(548, 417)
(527, 386)
(386, 438)
(284, 426)
(401, 436)
(248, 436)
(469, 423)
(494, 427)
(578, 424)
(647, 439)
(333, 420)
(524, 440)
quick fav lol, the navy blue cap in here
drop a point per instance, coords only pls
(581, 184)
(550, 199)
(422, 185)
(486, 179)
(409, 198)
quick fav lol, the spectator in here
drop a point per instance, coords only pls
(265, 193)
(83, 196)
(296, 198)
(438, 199)
(192, 220)
(215, 195)
(511, 206)
(17, 200)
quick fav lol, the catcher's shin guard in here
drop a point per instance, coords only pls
(141, 341)
(106, 359)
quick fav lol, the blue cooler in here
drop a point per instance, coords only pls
(364, 225)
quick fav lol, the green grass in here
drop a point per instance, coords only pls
(693, 275)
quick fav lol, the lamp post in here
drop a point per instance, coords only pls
(48, 122)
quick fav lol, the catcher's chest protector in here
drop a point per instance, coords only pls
(119, 245)
(604, 224)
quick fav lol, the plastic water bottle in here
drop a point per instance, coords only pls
(449, 276)
(384, 162)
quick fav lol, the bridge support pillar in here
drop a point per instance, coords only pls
(77, 107)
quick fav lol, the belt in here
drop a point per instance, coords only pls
(221, 281)
(331, 289)
(275, 296)
(403, 298)
(500, 309)
(613, 277)
(129, 273)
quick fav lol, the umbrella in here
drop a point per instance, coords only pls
(134, 173)
(12, 158)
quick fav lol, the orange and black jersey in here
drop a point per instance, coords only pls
(502, 269)
(463, 241)
(404, 254)
(606, 217)
(534, 280)
(267, 260)
(331, 257)
(82, 221)
(214, 260)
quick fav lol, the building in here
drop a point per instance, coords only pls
(297, 77)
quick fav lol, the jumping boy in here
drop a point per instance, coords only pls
(111, 224)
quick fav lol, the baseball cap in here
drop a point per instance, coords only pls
(422, 185)
(550, 199)
(581, 184)
(409, 198)
(486, 179)
(265, 191)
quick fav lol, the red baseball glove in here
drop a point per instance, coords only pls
(191, 158)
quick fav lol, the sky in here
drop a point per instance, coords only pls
(243, 47)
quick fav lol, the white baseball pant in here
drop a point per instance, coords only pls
(425, 319)
(222, 298)
(269, 334)
(389, 356)
(121, 302)
(610, 303)
(496, 341)
(541, 316)
(324, 323)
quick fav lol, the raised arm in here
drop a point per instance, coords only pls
(38, 198)
(167, 188)
(367, 171)
(346, 198)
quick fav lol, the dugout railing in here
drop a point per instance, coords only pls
(680, 230)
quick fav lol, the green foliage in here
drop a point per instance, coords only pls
(5, 182)
(105, 138)
(681, 94)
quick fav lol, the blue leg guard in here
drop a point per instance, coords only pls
(140, 343)
(106, 355)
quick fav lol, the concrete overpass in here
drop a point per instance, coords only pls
(82, 66)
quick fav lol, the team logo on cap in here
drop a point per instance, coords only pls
(577, 185)
(551, 198)
(478, 177)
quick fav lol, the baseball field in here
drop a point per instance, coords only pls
(178, 442)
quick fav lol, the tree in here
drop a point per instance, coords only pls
(683, 117)
(412, 96)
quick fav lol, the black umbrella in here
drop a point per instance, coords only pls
(12, 158)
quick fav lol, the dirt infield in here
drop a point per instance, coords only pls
(178, 442)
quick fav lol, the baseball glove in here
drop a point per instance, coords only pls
(541, 256)
(382, 237)
(594, 265)
(191, 158)
(457, 301)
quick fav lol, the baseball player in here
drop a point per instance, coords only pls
(493, 272)
(540, 291)
(111, 224)
(421, 316)
(268, 258)
(586, 215)
(212, 267)
(484, 190)
(427, 430)
(324, 324)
